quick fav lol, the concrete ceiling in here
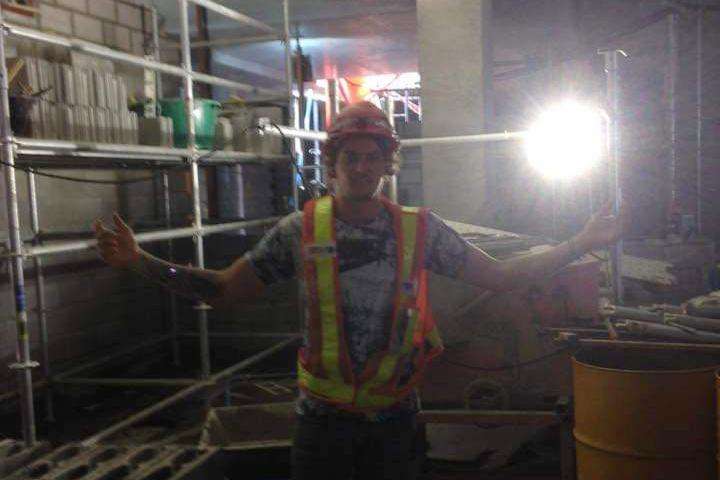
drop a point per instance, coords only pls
(344, 38)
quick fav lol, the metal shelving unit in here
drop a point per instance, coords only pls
(33, 153)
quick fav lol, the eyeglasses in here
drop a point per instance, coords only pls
(351, 158)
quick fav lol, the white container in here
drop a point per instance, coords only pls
(66, 123)
(97, 125)
(48, 120)
(82, 86)
(241, 123)
(32, 74)
(67, 85)
(82, 123)
(100, 89)
(104, 125)
(46, 76)
(116, 127)
(125, 127)
(223, 134)
(36, 127)
(122, 94)
(134, 129)
(58, 83)
(111, 91)
(92, 124)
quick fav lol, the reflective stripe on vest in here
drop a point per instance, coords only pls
(324, 369)
(327, 289)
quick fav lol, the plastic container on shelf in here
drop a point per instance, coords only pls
(205, 113)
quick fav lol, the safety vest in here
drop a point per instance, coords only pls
(324, 367)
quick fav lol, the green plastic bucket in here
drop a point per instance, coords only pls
(205, 112)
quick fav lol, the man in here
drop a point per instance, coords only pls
(362, 263)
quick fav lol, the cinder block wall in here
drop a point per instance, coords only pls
(91, 308)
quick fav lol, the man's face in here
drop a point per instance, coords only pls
(359, 168)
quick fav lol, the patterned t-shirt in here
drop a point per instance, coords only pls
(367, 260)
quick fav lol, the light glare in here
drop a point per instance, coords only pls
(565, 141)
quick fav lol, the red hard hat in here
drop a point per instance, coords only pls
(361, 118)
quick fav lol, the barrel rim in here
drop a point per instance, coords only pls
(712, 368)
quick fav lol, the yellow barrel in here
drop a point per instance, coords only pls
(645, 415)
(717, 397)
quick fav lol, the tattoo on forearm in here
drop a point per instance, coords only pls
(185, 281)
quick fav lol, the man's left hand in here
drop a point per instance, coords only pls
(604, 227)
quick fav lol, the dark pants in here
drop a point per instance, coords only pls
(340, 447)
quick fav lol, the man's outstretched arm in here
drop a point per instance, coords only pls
(487, 272)
(236, 283)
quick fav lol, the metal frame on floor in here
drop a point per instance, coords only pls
(43, 153)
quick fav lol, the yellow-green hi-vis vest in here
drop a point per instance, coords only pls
(324, 368)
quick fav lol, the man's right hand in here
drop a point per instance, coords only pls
(118, 248)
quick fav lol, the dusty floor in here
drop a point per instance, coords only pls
(83, 411)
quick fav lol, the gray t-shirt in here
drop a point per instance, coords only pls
(367, 261)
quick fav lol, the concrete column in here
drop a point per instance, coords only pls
(455, 60)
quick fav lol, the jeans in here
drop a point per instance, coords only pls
(343, 447)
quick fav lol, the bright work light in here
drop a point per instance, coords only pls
(566, 140)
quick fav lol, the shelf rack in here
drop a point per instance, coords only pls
(33, 153)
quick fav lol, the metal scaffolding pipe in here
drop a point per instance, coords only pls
(232, 370)
(40, 296)
(288, 54)
(111, 54)
(223, 156)
(195, 179)
(156, 56)
(639, 327)
(332, 105)
(222, 82)
(28, 146)
(616, 311)
(145, 237)
(226, 42)
(661, 317)
(64, 146)
(229, 227)
(23, 363)
(293, 118)
(129, 382)
(182, 394)
(613, 144)
(291, 132)
(634, 344)
(243, 334)
(501, 417)
(68, 379)
(172, 298)
(5, 397)
(106, 358)
(316, 145)
(234, 15)
(143, 414)
(480, 138)
(672, 66)
(392, 188)
(699, 123)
